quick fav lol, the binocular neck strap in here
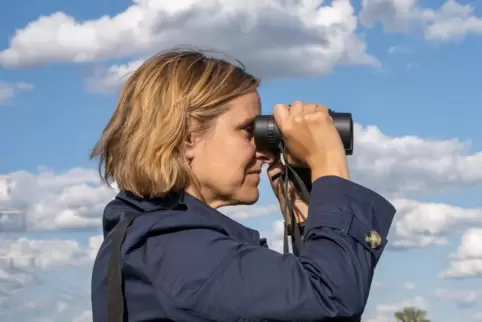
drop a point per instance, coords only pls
(293, 229)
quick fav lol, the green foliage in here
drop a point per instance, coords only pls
(411, 314)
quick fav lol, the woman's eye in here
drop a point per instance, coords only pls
(249, 131)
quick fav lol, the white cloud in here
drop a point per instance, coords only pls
(467, 260)
(263, 34)
(275, 236)
(378, 318)
(400, 166)
(49, 201)
(417, 301)
(112, 78)
(85, 316)
(32, 277)
(9, 90)
(421, 224)
(244, 212)
(74, 199)
(463, 299)
(24, 254)
(452, 21)
(409, 286)
(44, 309)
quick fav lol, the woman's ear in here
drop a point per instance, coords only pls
(191, 143)
(189, 147)
(193, 140)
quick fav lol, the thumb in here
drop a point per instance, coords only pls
(281, 113)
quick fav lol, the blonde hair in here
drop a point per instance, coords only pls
(160, 104)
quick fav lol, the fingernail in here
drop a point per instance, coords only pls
(276, 176)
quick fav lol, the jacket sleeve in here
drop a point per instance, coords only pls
(221, 279)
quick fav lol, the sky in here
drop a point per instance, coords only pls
(409, 71)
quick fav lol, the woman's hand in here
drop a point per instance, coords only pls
(300, 207)
(311, 137)
(311, 140)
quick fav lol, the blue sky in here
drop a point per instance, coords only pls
(410, 76)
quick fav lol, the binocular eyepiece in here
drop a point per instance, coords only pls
(267, 135)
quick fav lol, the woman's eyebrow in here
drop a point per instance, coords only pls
(246, 122)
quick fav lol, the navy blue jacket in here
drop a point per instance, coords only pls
(199, 265)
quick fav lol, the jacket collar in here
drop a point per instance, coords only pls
(185, 201)
(141, 204)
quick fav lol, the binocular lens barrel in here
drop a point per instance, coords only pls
(267, 135)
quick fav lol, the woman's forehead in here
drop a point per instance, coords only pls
(245, 107)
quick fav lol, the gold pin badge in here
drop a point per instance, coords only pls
(373, 239)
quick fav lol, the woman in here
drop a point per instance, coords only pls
(179, 145)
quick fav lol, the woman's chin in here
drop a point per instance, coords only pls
(252, 195)
(248, 196)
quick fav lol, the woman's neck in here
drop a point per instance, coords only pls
(206, 196)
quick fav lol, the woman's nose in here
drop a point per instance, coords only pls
(265, 156)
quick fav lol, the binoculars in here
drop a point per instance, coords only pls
(267, 135)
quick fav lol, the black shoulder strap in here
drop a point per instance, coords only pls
(115, 290)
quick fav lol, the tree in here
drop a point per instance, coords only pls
(411, 314)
